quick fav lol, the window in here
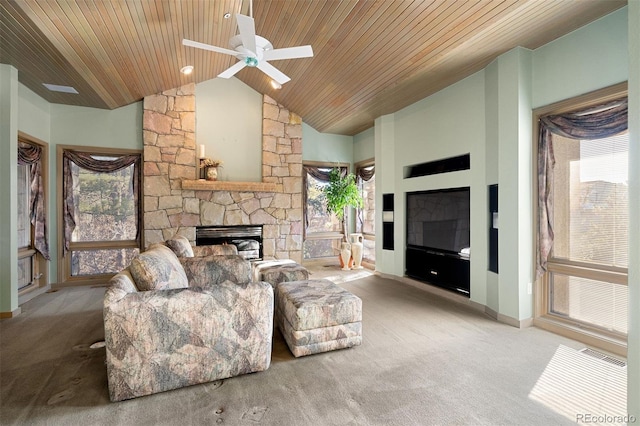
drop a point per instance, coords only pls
(585, 216)
(26, 253)
(101, 213)
(365, 217)
(591, 223)
(323, 231)
(33, 247)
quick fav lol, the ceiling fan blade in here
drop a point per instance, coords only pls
(273, 72)
(288, 53)
(247, 28)
(232, 70)
(204, 46)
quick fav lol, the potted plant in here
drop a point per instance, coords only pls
(211, 168)
(342, 192)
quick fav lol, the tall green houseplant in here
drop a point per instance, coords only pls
(342, 192)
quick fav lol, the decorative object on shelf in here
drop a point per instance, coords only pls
(212, 173)
(210, 167)
(201, 157)
(345, 256)
(357, 246)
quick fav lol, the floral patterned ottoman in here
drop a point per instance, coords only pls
(317, 316)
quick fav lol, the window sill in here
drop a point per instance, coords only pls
(587, 335)
(324, 235)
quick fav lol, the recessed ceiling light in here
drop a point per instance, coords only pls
(227, 15)
(186, 70)
(276, 85)
(61, 89)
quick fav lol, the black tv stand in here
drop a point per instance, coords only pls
(443, 269)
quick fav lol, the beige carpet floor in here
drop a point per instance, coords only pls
(425, 360)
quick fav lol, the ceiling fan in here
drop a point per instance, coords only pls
(253, 50)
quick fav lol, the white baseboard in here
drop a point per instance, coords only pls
(505, 319)
(11, 314)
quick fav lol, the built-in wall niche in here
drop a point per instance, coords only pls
(439, 220)
(446, 165)
(493, 228)
(438, 238)
(387, 222)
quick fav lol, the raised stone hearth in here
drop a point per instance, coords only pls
(175, 202)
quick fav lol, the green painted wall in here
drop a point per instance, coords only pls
(229, 125)
(117, 128)
(34, 116)
(364, 145)
(8, 189)
(514, 184)
(328, 147)
(587, 59)
(492, 158)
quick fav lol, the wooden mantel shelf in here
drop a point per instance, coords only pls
(216, 185)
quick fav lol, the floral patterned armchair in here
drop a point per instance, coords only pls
(168, 326)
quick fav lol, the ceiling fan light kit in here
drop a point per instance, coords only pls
(254, 51)
(251, 61)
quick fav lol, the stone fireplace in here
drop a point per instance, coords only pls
(175, 202)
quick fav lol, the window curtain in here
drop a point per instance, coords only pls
(86, 161)
(320, 173)
(31, 155)
(365, 173)
(598, 122)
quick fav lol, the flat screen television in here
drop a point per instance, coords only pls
(439, 220)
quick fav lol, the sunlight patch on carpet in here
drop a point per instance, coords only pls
(583, 388)
(339, 277)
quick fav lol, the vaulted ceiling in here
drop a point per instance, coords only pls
(371, 57)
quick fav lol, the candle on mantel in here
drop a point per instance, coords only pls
(201, 151)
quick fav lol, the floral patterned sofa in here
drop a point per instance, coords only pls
(173, 322)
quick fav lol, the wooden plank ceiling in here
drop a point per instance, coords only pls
(370, 57)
